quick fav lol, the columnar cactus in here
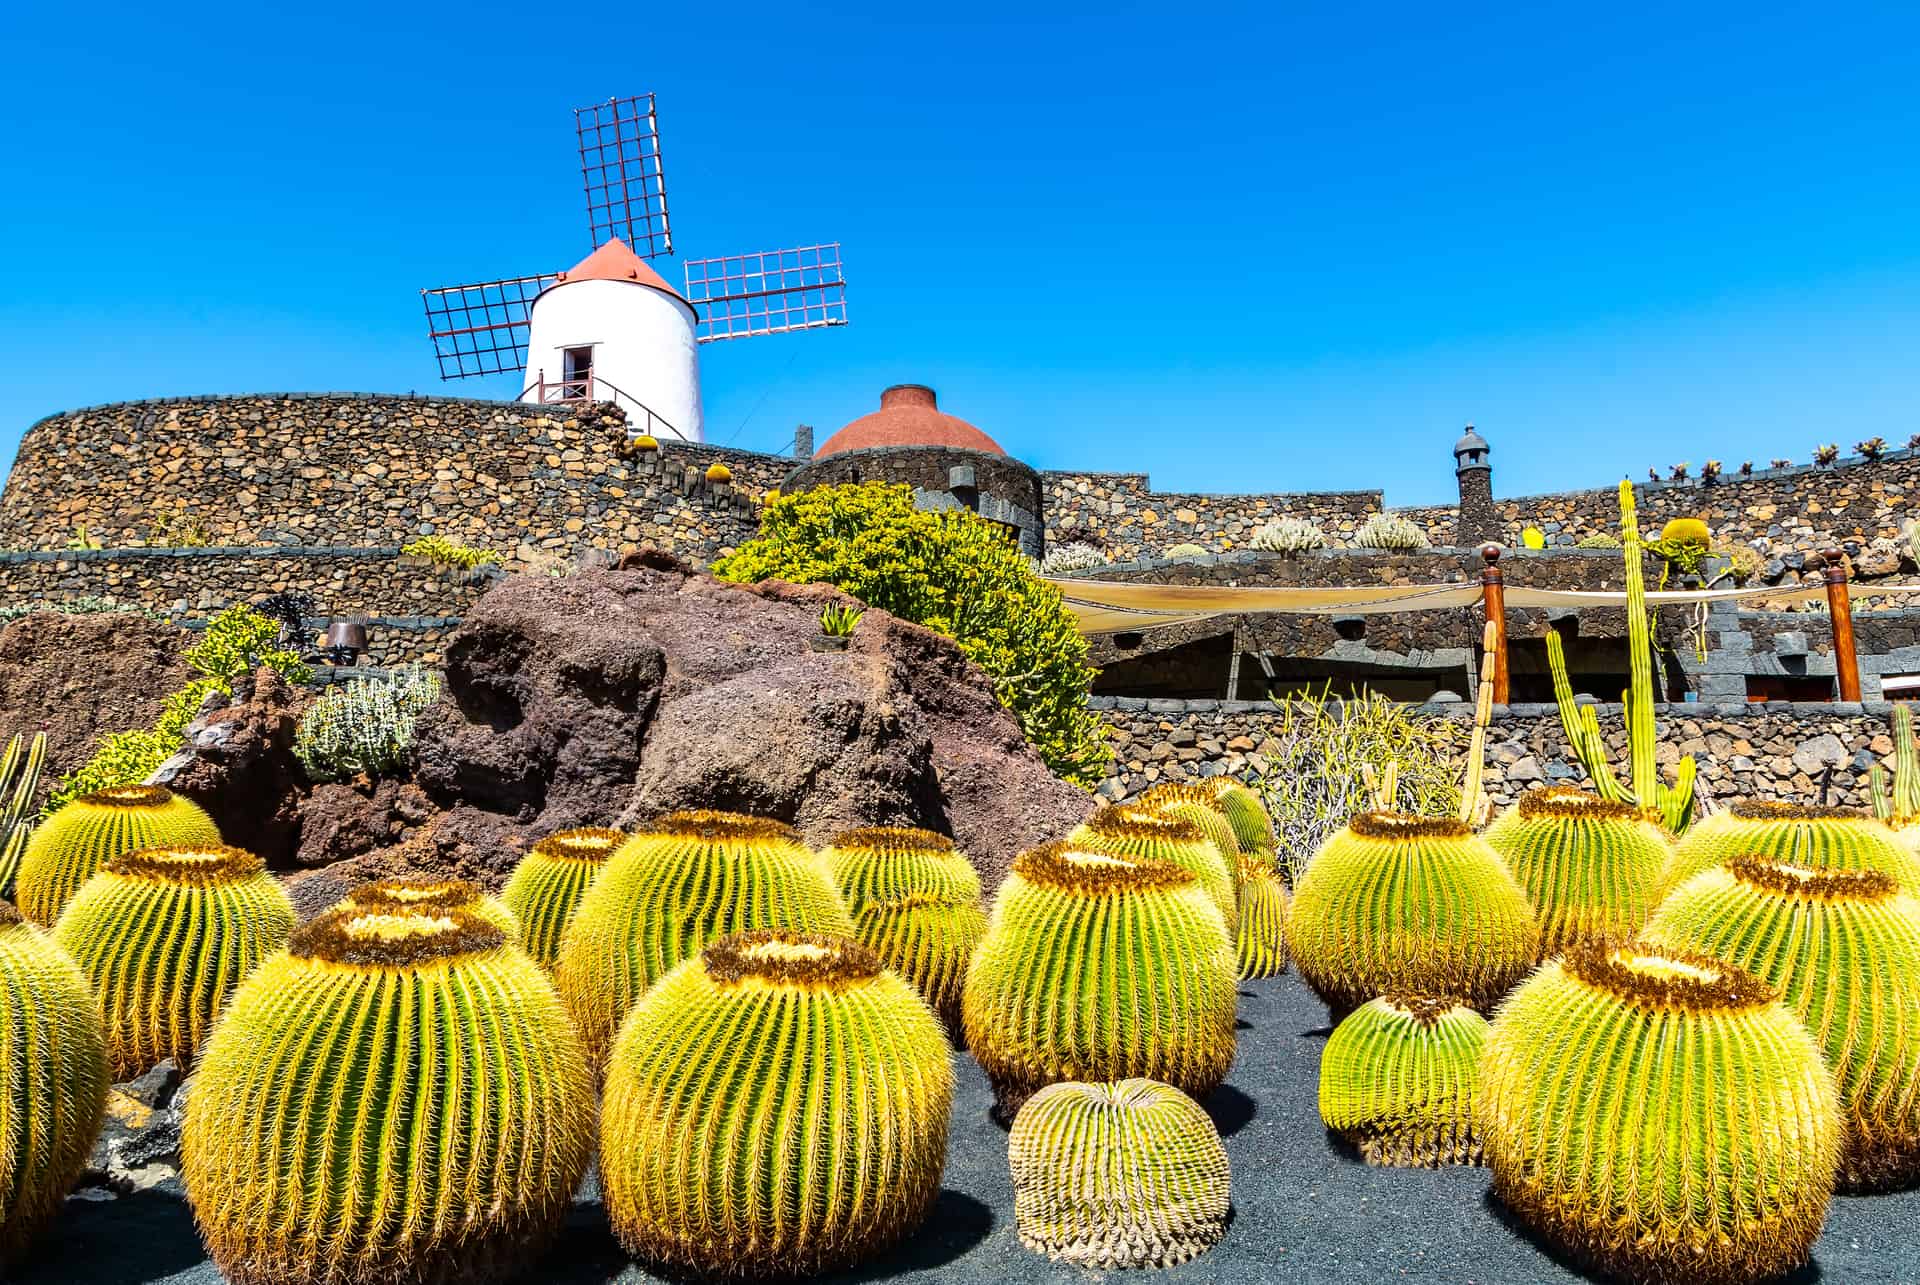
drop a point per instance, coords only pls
(428, 895)
(684, 881)
(1398, 1079)
(1592, 868)
(1819, 837)
(1660, 1115)
(1100, 967)
(1127, 830)
(915, 902)
(776, 1105)
(71, 845)
(1245, 813)
(1843, 948)
(1126, 1174)
(53, 1080)
(1262, 939)
(546, 888)
(165, 936)
(398, 1096)
(1194, 802)
(1413, 904)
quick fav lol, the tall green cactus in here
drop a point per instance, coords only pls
(1898, 803)
(19, 777)
(1645, 788)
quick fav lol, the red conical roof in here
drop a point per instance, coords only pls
(909, 415)
(615, 261)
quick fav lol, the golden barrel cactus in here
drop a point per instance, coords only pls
(1397, 903)
(165, 936)
(1593, 869)
(546, 888)
(688, 879)
(1818, 837)
(1100, 967)
(776, 1105)
(1125, 1174)
(1192, 801)
(1126, 830)
(1262, 939)
(1252, 826)
(915, 902)
(1659, 1115)
(1398, 1080)
(397, 1096)
(53, 1080)
(70, 846)
(1843, 949)
(428, 895)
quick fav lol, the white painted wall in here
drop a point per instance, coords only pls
(643, 344)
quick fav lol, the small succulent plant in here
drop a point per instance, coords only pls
(1390, 531)
(838, 620)
(1825, 455)
(1678, 473)
(1075, 555)
(1710, 471)
(1873, 448)
(1186, 549)
(1287, 535)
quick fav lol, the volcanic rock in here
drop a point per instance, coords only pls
(238, 764)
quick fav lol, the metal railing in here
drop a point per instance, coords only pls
(592, 388)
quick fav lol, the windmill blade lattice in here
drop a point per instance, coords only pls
(736, 296)
(481, 329)
(620, 167)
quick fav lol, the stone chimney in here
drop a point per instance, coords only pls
(1473, 471)
(803, 442)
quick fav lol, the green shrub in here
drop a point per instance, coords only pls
(1286, 535)
(365, 725)
(953, 572)
(1075, 555)
(449, 553)
(1389, 531)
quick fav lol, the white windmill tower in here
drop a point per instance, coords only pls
(610, 328)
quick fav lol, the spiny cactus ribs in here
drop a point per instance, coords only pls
(1415, 904)
(1746, 1121)
(428, 895)
(421, 1051)
(1130, 831)
(685, 881)
(1399, 1077)
(546, 888)
(1819, 837)
(53, 1080)
(164, 936)
(1843, 948)
(1100, 967)
(71, 845)
(1592, 868)
(915, 902)
(1262, 941)
(1126, 1174)
(776, 1105)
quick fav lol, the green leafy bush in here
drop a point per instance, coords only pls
(237, 641)
(365, 725)
(449, 553)
(953, 572)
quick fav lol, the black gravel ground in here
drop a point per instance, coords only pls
(1303, 1210)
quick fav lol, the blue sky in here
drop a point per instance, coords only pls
(1240, 248)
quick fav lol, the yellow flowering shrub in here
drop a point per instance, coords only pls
(953, 572)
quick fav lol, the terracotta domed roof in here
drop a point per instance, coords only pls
(614, 261)
(908, 416)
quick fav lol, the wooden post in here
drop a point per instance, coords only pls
(1846, 662)
(1494, 588)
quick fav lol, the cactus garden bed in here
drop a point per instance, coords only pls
(1303, 1210)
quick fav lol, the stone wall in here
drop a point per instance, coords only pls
(1776, 751)
(999, 488)
(373, 470)
(1124, 515)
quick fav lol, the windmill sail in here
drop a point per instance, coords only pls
(620, 167)
(740, 295)
(481, 329)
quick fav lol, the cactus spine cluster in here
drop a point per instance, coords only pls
(1194, 802)
(1399, 1078)
(19, 778)
(53, 1080)
(915, 902)
(1660, 1115)
(1593, 869)
(1822, 838)
(1644, 789)
(70, 846)
(1127, 830)
(1126, 1174)
(165, 936)
(688, 879)
(427, 895)
(1843, 949)
(398, 1096)
(546, 888)
(1397, 903)
(1262, 940)
(776, 1105)
(1097, 966)
(1252, 827)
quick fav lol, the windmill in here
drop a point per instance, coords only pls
(611, 328)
